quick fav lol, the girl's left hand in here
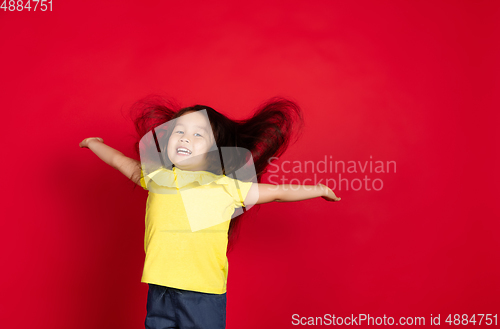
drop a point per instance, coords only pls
(329, 195)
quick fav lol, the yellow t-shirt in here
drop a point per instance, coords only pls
(187, 253)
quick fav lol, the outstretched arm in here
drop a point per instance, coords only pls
(116, 159)
(264, 193)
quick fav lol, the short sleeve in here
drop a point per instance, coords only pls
(143, 182)
(240, 192)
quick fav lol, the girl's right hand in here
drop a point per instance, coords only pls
(85, 142)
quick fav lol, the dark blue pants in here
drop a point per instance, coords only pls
(184, 309)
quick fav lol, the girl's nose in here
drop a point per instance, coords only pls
(184, 140)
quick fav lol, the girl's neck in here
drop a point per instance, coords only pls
(177, 168)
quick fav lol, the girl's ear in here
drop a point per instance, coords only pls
(212, 143)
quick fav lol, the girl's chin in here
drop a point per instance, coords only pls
(184, 161)
(182, 158)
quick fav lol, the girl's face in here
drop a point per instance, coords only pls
(190, 141)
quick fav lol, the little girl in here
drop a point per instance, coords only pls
(200, 179)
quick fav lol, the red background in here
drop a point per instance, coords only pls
(411, 82)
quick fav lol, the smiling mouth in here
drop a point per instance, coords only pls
(183, 151)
